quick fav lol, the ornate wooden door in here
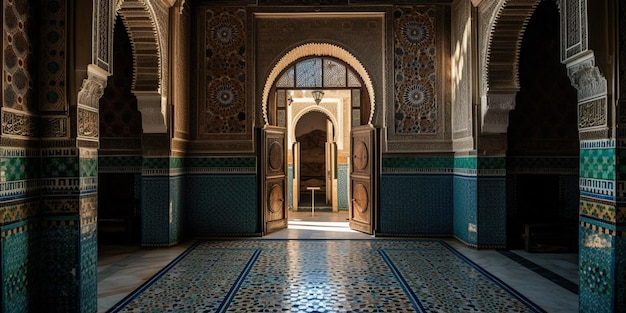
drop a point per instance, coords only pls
(363, 178)
(274, 178)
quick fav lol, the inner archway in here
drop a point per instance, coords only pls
(320, 99)
(311, 134)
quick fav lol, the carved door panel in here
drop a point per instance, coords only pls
(274, 175)
(363, 178)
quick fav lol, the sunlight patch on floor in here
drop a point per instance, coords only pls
(319, 226)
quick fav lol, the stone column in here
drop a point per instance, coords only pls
(69, 207)
(601, 215)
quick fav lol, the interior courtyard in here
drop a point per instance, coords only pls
(313, 156)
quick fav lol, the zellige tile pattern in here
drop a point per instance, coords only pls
(262, 275)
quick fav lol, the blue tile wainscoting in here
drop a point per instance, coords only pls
(415, 204)
(222, 204)
(480, 201)
(161, 202)
(155, 211)
(221, 196)
(68, 230)
(601, 230)
(20, 239)
(415, 196)
(465, 209)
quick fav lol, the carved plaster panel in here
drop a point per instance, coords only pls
(357, 38)
(92, 88)
(586, 78)
(103, 19)
(574, 32)
(18, 123)
(55, 126)
(461, 69)
(592, 114)
(87, 123)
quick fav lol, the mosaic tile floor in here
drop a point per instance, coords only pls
(324, 276)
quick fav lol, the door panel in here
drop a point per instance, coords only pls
(274, 174)
(363, 178)
(331, 175)
(296, 175)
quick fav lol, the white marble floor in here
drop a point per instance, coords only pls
(123, 268)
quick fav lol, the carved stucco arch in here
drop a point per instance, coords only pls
(500, 79)
(146, 22)
(310, 109)
(317, 49)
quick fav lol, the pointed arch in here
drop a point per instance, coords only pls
(317, 49)
(501, 62)
(147, 23)
(142, 30)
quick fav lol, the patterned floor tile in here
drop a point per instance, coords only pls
(324, 276)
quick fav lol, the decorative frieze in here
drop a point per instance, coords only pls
(18, 124)
(88, 122)
(592, 114)
(55, 126)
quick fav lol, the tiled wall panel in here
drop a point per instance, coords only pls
(221, 204)
(596, 270)
(15, 257)
(413, 204)
(155, 215)
(492, 212)
(465, 208)
(59, 282)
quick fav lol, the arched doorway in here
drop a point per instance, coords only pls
(333, 89)
(543, 145)
(314, 162)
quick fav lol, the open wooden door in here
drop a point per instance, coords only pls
(363, 178)
(274, 178)
(331, 175)
(296, 175)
